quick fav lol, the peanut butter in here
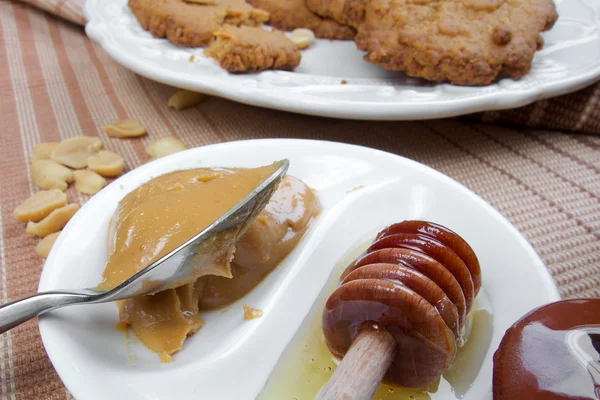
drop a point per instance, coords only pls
(273, 235)
(165, 212)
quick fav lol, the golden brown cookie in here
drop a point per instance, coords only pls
(466, 42)
(288, 15)
(333, 9)
(243, 49)
(193, 24)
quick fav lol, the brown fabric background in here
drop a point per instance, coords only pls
(55, 84)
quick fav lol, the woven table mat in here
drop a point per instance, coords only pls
(55, 84)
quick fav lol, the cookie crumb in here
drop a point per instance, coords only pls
(251, 313)
(192, 58)
(344, 82)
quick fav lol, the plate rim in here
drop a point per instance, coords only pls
(316, 106)
(60, 362)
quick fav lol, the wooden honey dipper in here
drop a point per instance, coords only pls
(400, 310)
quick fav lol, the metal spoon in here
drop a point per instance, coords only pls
(165, 272)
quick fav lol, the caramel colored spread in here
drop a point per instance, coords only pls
(167, 211)
(251, 313)
(163, 320)
(273, 235)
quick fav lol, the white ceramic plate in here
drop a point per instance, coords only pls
(230, 358)
(569, 61)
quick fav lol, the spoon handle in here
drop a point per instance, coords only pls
(19, 311)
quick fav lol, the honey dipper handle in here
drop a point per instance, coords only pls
(362, 368)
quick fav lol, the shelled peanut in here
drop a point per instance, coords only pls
(55, 165)
(164, 146)
(83, 161)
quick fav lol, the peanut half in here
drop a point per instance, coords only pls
(185, 99)
(74, 152)
(48, 174)
(106, 163)
(164, 146)
(45, 245)
(88, 182)
(302, 37)
(43, 151)
(40, 205)
(54, 222)
(125, 128)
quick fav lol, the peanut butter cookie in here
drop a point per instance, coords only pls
(193, 24)
(333, 9)
(465, 42)
(288, 15)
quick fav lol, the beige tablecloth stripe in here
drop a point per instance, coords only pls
(71, 10)
(56, 84)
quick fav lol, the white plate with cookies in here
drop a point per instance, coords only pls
(333, 80)
(361, 191)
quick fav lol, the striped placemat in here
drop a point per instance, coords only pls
(55, 84)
